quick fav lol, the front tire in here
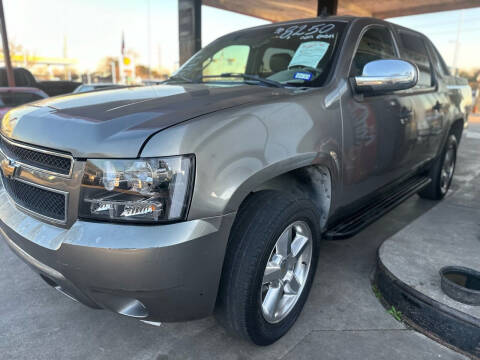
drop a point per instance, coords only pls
(269, 266)
(442, 171)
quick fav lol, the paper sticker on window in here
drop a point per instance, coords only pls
(309, 53)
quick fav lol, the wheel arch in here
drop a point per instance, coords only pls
(312, 176)
(457, 128)
(313, 182)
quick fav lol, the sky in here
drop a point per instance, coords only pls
(442, 29)
(93, 29)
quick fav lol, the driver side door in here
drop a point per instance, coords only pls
(375, 127)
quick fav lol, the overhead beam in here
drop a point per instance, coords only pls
(270, 10)
(189, 28)
(283, 10)
(406, 10)
(349, 8)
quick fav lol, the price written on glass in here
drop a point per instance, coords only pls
(305, 31)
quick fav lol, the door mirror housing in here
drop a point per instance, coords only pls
(382, 76)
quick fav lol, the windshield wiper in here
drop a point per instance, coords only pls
(177, 78)
(246, 77)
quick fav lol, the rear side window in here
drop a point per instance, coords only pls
(376, 44)
(414, 50)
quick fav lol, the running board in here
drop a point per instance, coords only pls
(376, 209)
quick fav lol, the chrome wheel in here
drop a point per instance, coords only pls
(286, 272)
(447, 170)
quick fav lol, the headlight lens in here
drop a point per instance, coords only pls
(142, 190)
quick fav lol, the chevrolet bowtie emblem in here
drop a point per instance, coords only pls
(8, 169)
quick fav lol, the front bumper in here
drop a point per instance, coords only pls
(156, 272)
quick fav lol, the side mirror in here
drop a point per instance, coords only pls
(386, 75)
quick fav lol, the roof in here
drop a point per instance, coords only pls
(283, 10)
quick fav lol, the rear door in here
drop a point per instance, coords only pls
(444, 81)
(429, 106)
(376, 148)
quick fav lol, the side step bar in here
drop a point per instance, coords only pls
(376, 209)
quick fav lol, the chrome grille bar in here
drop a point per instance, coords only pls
(42, 159)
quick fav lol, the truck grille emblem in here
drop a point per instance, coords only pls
(8, 169)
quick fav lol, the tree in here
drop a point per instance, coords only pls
(19, 50)
(472, 75)
(142, 72)
(104, 68)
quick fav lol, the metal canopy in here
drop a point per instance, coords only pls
(282, 10)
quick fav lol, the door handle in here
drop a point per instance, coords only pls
(405, 115)
(437, 106)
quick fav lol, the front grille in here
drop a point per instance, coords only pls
(37, 158)
(38, 200)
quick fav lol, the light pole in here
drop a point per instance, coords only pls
(6, 50)
(149, 39)
(457, 43)
(114, 72)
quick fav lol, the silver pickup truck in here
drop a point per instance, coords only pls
(210, 193)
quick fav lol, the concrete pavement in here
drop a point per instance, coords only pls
(342, 318)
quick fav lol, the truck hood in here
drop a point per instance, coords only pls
(116, 123)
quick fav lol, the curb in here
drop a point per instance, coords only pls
(435, 320)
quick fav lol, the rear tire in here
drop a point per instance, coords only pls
(442, 171)
(265, 220)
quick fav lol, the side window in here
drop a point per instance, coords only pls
(231, 59)
(376, 44)
(414, 50)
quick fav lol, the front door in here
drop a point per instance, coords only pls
(376, 128)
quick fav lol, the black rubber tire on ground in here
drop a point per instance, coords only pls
(260, 221)
(434, 190)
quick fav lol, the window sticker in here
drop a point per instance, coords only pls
(309, 54)
(302, 76)
(306, 31)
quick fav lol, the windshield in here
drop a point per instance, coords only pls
(292, 55)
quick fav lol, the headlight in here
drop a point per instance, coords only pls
(142, 190)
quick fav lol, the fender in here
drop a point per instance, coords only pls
(239, 149)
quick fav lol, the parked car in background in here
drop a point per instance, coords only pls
(97, 86)
(24, 78)
(150, 82)
(210, 193)
(11, 97)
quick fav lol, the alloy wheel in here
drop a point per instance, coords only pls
(447, 170)
(286, 272)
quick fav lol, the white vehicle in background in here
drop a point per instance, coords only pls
(97, 86)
